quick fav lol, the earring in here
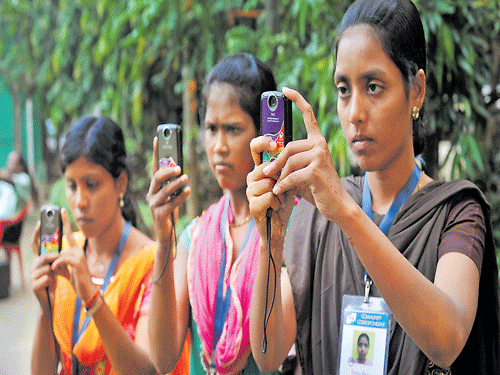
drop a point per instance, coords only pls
(415, 112)
(122, 203)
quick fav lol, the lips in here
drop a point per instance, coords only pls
(222, 167)
(361, 142)
(83, 220)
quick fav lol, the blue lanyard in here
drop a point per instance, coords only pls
(78, 304)
(222, 302)
(388, 218)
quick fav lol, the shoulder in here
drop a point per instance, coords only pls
(455, 192)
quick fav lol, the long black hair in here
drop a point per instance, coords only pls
(100, 140)
(398, 25)
(249, 76)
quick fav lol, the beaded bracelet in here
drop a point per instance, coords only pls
(93, 304)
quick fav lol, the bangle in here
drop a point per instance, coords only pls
(91, 309)
(90, 302)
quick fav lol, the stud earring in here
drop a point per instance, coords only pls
(415, 112)
(122, 203)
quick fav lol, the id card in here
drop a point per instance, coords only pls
(364, 336)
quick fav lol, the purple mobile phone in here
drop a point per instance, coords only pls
(276, 120)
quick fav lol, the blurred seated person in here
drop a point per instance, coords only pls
(16, 186)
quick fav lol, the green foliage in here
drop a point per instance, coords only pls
(57, 196)
(126, 58)
(459, 35)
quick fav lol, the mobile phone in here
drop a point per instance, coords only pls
(275, 120)
(170, 147)
(51, 229)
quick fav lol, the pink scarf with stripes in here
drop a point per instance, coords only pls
(233, 347)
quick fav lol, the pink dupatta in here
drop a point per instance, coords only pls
(205, 254)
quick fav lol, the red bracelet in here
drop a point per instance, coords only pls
(92, 300)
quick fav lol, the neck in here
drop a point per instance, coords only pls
(239, 204)
(106, 243)
(385, 184)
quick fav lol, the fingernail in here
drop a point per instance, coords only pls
(266, 169)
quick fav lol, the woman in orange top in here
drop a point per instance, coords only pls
(100, 284)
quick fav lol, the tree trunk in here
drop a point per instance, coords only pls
(189, 109)
(18, 145)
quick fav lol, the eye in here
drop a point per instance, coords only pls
(211, 128)
(342, 90)
(374, 89)
(231, 128)
(70, 185)
(91, 184)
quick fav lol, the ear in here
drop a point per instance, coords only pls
(418, 89)
(121, 183)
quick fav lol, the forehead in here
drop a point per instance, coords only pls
(360, 49)
(221, 94)
(223, 105)
(84, 168)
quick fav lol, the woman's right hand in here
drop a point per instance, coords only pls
(261, 197)
(160, 199)
(43, 279)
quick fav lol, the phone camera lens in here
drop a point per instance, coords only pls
(50, 213)
(272, 102)
(166, 132)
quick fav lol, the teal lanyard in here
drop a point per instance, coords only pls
(386, 222)
(78, 304)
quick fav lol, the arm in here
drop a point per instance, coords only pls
(169, 309)
(6, 175)
(43, 356)
(432, 314)
(126, 356)
(437, 316)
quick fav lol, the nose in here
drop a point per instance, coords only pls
(357, 107)
(82, 200)
(220, 142)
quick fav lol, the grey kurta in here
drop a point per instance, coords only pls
(323, 267)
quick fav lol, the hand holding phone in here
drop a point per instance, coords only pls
(170, 147)
(51, 229)
(276, 121)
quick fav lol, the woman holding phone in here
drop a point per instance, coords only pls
(422, 248)
(94, 295)
(206, 286)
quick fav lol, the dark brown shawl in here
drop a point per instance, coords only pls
(323, 267)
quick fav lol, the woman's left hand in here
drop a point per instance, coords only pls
(160, 197)
(307, 166)
(72, 263)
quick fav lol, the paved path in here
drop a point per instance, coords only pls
(18, 312)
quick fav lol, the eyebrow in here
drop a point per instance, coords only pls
(235, 124)
(365, 76)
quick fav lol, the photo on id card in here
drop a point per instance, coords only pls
(364, 336)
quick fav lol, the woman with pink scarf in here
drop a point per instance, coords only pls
(206, 285)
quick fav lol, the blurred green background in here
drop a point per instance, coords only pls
(143, 63)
